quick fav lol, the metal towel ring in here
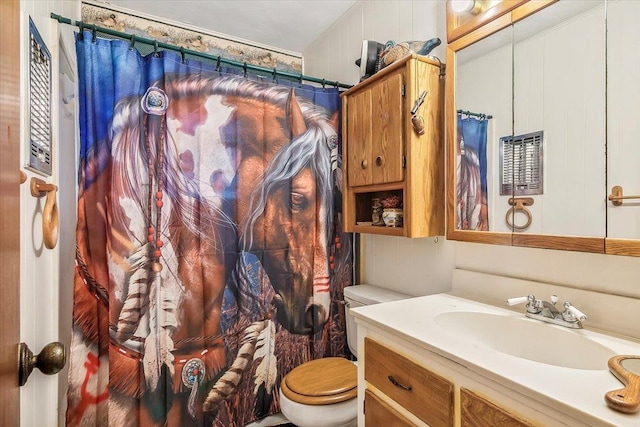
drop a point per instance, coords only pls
(519, 205)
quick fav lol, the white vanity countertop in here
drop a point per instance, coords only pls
(576, 392)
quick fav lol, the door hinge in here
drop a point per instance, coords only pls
(404, 162)
(402, 90)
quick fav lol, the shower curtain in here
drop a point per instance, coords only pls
(471, 191)
(210, 254)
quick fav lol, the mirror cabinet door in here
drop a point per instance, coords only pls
(623, 126)
(483, 114)
(559, 150)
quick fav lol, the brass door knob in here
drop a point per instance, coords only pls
(50, 361)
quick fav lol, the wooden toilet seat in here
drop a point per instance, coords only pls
(321, 382)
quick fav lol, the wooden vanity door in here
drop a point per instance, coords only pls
(378, 413)
(476, 411)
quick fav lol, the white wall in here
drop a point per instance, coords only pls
(333, 54)
(43, 297)
(421, 266)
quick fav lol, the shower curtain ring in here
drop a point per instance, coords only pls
(323, 83)
(133, 42)
(275, 72)
(337, 85)
(244, 68)
(300, 78)
(218, 64)
(155, 47)
(184, 60)
(93, 34)
(81, 33)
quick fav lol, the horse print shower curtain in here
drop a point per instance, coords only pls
(210, 254)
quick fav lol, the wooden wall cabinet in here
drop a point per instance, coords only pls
(385, 156)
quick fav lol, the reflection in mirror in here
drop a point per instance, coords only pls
(559, 96)
(483, 100)
(631, 364)
(623, 94)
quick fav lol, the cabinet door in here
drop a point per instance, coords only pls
(479, 412)
(359, 139)
(378, 413)
(387, 130)
(425, 394)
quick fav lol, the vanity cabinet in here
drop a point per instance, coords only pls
(429, 359)
(418, 392)
(386, 158)
(476, 411)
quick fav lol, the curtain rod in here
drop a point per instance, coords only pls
(481, 116)
(218, 59)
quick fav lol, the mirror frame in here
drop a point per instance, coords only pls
(480, 28)
(457, 28)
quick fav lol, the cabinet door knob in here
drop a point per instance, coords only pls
(364, 164)
(379, 161)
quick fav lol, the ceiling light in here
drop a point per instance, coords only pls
(470, 6)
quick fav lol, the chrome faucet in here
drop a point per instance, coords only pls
(547, 311)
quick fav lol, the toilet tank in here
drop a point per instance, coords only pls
(359, 295)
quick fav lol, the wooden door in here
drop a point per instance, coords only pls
(387, 133)
(359, 139)
(9, 211)
(476, 411)
(378, 413)
(375, 145)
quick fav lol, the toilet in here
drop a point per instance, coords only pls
(323, 392)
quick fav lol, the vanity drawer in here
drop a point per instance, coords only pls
(378, 413)
(479, 412)
(426, 395)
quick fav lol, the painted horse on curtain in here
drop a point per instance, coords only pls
(211, 190)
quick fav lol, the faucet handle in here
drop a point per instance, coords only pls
(534, 305)
(517, 300)
(572, 313)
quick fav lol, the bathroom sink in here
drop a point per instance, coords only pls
(527, 339)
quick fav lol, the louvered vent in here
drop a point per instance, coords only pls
(521, 164)
(39, 102)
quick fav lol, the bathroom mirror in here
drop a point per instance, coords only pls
(623, 132)
(483, 112)
(559, 87)
(546, 169)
